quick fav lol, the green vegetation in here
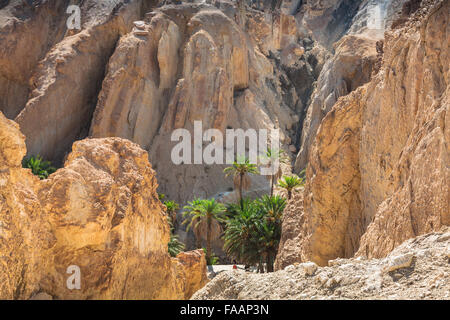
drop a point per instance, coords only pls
(39, 167)
(172, 208)
(212, 260)
(175, 246)
(253, 234)
(240, 171)
(290, 183)
(161, 196)
(269, 159)
(204, 212)
(252, 228)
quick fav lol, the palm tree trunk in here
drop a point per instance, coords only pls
(241, 178)
(269, 263)
(208, 240)
(289, 194)
(260, 266)
(271, 186)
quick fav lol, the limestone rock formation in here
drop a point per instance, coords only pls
(378, 172)
(289, 250)
(64, 85)
(24, 229)
(26, 34)
(358, 90)
(100, 213)
(198, 64)
(351, 66)
(418, 269)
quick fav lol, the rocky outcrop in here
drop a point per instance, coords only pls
(350, 67)
(65, 84)
(27, 31)
(327, 21)
(100, 213)
(24, 229)
(293, 218)
(378, 172)
(418, 269)
(193, 62)
(357, 57)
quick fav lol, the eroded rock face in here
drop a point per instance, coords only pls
(66, 82)
(377, 173)
(25, 234)
(198, 64)
(26, 34)
(350, 67)
(327, 20)
(410, 195)
(101, 213)
(290, 242)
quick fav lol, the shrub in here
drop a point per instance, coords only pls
(39, 167)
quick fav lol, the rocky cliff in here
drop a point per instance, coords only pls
(378, 168)
(100, 213)
(358, 90)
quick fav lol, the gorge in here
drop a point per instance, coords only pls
(358, 91)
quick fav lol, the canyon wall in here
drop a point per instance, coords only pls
(51, 76)
(27, 32)
(193, 62)
(100, 213)
(378, 169)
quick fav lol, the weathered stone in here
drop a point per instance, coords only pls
(356, 280)
(309, 268)
(68, 79)
(41, 296)
(400, 262)
(366, 191)
(139, 24)
(101, 213)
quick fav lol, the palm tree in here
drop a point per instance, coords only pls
(240, 171)
(270, 227)
(241, 241)
(193, 213)
(205, 212)
(270, 158)
(175, 246)
(172, 208)
(254, 233)
(290, 183)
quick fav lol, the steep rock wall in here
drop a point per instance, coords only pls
(27, 32)
(65, 84)
(378, 171)
(205, 67)
(101, 213)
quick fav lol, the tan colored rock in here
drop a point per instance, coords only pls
(197, 64)
(289, 250)
(26, 35)
(24, 229)
(377, 174)
(352, 279)
(400, 262)
(410, 195)
(351, 67)
(67, 81)
(101, 213)
(193, 264)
